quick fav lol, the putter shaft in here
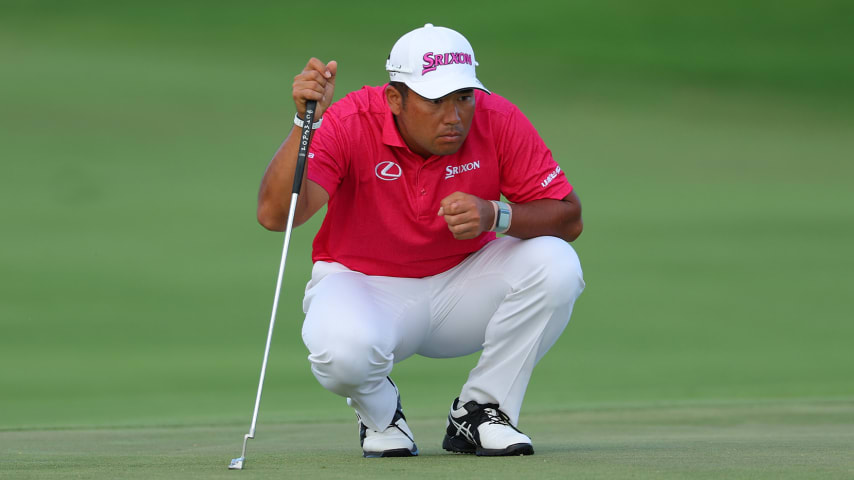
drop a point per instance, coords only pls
(305, 141)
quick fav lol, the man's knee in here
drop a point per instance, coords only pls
(344, 366)
(348, 348)
(562, 280)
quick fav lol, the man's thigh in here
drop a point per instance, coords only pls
(346, 308)
(465, 298)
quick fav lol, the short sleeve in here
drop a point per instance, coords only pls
(328, 154)
(528, 171)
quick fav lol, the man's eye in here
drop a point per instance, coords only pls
(436, 101)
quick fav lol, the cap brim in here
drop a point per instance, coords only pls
(434, 90)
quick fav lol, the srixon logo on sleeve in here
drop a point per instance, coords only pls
(432, 61)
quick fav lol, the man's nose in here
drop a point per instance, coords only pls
(451, 113)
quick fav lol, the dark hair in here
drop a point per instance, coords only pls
(402, 89)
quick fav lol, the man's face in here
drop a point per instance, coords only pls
(433, 127)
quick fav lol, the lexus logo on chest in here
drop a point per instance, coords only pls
(388, 171)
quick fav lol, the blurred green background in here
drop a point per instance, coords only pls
(710, 142)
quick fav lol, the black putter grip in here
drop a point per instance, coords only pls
(304, 142)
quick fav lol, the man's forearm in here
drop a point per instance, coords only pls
(557, 218)
(274, 196)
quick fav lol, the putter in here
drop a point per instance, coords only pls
(305, 141)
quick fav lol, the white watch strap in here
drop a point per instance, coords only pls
(299, 122)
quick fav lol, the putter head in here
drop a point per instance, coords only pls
(236, 463)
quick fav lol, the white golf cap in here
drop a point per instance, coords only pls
(433, 61)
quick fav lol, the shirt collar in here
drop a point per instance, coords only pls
(391, 136)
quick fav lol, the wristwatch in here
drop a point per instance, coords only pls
(503, 215)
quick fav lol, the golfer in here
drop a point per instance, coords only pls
(407, 262)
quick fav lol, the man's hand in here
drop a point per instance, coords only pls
(467, 215)
(315, 82)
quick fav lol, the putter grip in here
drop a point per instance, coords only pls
(304, 142)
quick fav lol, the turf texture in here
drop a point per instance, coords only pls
(742, 440)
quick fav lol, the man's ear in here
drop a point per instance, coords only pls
(394, 100)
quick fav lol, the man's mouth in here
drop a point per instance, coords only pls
(450, 136)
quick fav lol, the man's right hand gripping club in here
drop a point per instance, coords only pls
(315, 82)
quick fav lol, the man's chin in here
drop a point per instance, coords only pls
(447, 149)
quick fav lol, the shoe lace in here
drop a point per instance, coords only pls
(496, 416)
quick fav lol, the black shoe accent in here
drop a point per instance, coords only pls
(511, 451)
(398, 452)
(458, 445)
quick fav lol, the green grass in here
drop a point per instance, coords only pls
(710, 144)
(740, 440)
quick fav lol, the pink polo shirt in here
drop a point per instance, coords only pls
(383, 198)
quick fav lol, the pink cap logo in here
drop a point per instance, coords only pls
(433, 61)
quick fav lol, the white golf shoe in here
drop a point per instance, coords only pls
(484, 430)
(395, 441)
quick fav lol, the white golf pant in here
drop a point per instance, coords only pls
(512, 299)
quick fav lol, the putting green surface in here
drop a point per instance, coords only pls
(771, 440)
(710, 144)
